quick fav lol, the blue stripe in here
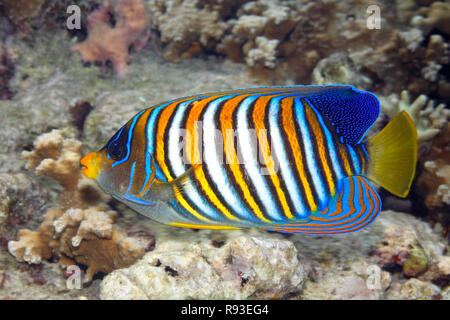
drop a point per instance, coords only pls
(179, 167)
(286, 172)
(117, 137)
(150, 127)
(331, 149)
(309, 153)
(131, 197)
(250, 163)
(361, 190)
(355, 160)
(374, 200)
(215, 166)
(148, 153)
(183, 211)
(151, 143)
(130, 132)
(130, 183)
(345, 197)
(363, 146)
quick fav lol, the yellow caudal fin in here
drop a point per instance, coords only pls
(393, 155)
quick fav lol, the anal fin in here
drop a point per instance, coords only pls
(355, 207)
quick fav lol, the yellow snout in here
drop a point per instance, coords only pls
(91, 165)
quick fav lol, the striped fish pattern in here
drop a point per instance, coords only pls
(286, 159)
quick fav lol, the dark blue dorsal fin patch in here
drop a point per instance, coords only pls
(350, 112)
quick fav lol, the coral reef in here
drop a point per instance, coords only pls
(111, 43)
(43, 281)
(18, 10)
(405, 242)
(239, 264)
(289, 38)
(445, 294)
(438, 272)
(436, 16)
(434, 180)
(429, 119)
(416, 263)
(21, 203)
(79, 230)
(337, 68)
(243, 30)
(370, 265)
(230, 44)
(355, 281)
(263, 53)
(184, 24)
(244, 267)
(415, 289)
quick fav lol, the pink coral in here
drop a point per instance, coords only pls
(111, 43)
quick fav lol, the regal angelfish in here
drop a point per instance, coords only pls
(289, 159)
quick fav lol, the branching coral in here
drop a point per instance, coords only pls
(263, 53)
(436, 16)
(183, 23)
(286, 39)
(242, 30)
(57, 158)
(429, 119)
(81, 229)
(436, 55)
(90, 237)
(111, 43)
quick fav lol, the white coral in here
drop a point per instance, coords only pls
(443, 193)
(249, 25)
(412, 37)
(182, 22)
(55, 157)
(24, 252)
(428, 118)
(431, 71)
(264, 53)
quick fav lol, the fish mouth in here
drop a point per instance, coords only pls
(91, 165)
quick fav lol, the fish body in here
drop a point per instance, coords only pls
(289, 159)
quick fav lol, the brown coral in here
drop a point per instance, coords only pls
(436, 16)
(18, 10)
(58, 159)
(434, 181)
(81, 229)
(90, 237)
(282, 40)
(111, 43)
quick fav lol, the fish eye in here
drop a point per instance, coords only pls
(115, 151)
(116, 147)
